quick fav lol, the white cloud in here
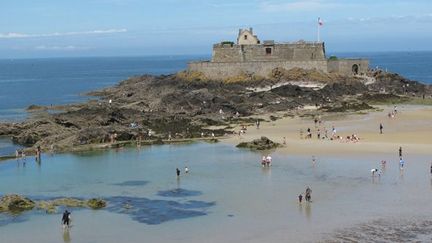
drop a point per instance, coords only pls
(14, 35)
(59, 48)
(298, 5)
(393, 19)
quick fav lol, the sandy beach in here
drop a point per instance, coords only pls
(411, 128)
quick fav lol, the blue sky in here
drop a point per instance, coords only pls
(45, 28)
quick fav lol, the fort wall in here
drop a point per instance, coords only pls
(269, 51)
(220, 71)
(348, 66)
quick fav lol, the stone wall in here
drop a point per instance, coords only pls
(220, 71)
(348, 66)
(302, 51)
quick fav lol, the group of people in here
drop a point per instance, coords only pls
(393, 113)
(378, 172)
(320, 135)
(266, 161)
(186, 171)
(308, 195)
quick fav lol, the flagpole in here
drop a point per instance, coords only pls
(318, 26)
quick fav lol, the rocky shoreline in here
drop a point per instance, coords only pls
(183, 107)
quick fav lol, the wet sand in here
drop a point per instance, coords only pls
(411, 128)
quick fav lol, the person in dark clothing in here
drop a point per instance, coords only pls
(400, 151)
(178, 172)
(300, 198)
(66, 218)
(308, 195)
(381, 128)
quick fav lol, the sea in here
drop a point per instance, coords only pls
(225, 197)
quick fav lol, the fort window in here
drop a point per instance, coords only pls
(245, 37)
(268, 51)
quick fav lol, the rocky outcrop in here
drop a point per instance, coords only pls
(262, 143)
(155, 108)
(15, 204)
(96, 203)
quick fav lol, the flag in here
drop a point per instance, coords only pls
(320, 22)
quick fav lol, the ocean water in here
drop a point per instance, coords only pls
(413, 65)
(226, 197)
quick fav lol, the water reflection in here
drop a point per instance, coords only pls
(66, 236)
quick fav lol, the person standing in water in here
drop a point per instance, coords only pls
(300, 198)
(66, 219)
(178, 172)
(186, 170)
(431, 168)
(308, 195)
(400, 152)
(401, 163)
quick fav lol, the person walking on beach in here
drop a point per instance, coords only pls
(178, 172)
(381, 128)
(400, 152)
(66, 219)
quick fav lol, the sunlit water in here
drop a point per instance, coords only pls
(226, 197)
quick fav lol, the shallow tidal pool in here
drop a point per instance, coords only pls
(226, 197)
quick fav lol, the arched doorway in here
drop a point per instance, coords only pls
(355, 69)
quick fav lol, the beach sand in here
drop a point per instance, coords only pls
(411, 129)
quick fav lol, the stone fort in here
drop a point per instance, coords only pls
(249, 55)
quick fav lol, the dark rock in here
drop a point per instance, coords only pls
(259, 144)
(96, 203)
(15, 204)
